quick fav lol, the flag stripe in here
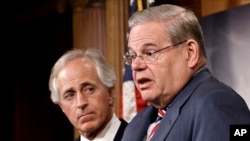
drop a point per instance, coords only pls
(129, 101)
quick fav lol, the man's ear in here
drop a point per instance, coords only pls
(111, 96)
(193, 53)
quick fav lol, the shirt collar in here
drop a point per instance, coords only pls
(111, 128)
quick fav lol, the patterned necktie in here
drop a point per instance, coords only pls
(161, 113)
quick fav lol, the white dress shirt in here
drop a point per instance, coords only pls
(109, 132)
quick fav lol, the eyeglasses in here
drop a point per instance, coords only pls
(148, 57)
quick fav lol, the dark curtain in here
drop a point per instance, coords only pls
(40, 36)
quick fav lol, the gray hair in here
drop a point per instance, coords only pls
(104, 71)
(181, 24)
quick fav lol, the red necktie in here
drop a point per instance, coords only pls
(161, 113)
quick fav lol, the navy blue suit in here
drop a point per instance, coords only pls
(202, 111)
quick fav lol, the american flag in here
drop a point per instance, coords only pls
(131, 102)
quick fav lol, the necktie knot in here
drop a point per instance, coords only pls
(161, 113)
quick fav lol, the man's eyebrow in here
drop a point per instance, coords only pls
(145, 45)
(85, 83)
(69, 90)
(82, 84)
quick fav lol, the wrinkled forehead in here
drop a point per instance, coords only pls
(151, 34)
(78, 65)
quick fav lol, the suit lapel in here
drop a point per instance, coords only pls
(166, 124)
(120, 131)
(173, 110)
(140, 124)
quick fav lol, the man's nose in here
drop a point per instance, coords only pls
(81, 100)
(138, 63)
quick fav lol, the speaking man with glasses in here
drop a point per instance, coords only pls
(167, 57)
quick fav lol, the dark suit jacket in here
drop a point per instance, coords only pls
(202, 111)
(119, 133)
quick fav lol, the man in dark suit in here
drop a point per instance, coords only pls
(82, 84)
(167, 56)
